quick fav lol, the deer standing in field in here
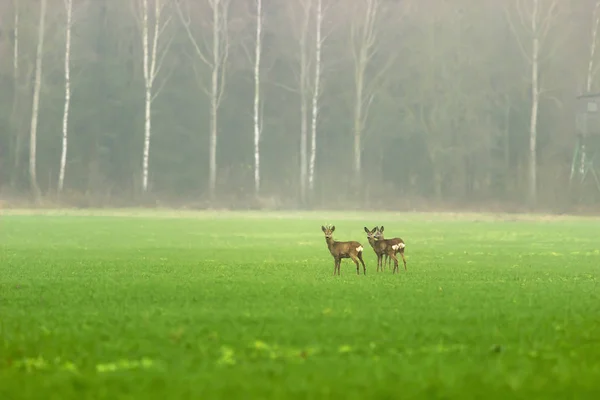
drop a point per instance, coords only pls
(341, 250)
(397, 245)
(379, 247)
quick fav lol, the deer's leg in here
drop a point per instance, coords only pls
(362, 262)
(355, 259)
(335, 263)
(393, 257)
(403, 259)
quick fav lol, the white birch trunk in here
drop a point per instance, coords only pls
(16, 42)
(214, 101)
(36, 102)
(315, 97)
(362, 55)
(304, 103)
(535, 94)
(65, 122)
(303, 137)
(588, 85)
(16, 95)
(257, 123)
(151, 65)
(358, 124)
(590, 74)
(217, 63)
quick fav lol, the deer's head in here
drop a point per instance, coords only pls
(378, 233)
(371, 233)
(328, 231)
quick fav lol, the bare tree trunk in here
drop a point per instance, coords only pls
(363, 43)
(304, 103)
(148, 80)
(217, 63)
(16, 41)
(65, 125)
(590, 75)
(358, 126)
(507, 151)
(540, 23)
(257, 122)
(151, 66)
(315, 97)
(593, 47)
(214, 103)
(303, 142)
(36, 103)
(16, 95)
(535, 94)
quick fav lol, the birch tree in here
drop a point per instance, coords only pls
(65, 121)
(16, 94)
(304, 88)
(36, 102)
(257, 119)
(153, 27)
(216, 62)
(593, 44)
(590, 78)
(315, 95)
(364, 46)
(536, 17)
(16, 40)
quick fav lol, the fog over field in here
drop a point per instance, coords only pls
(302, 104)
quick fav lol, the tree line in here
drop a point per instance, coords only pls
(299, 103)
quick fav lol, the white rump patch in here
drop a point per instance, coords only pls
(359, 249)
(398, 246)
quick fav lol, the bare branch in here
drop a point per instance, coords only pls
(548, 20)
(186, 22)
(162, 83)
(198, 74)
(521, 14)
(224, 53)
(163, 55)
(515, 33)
(376, 80)
(282, 86)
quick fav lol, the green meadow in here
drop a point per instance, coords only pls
(207, 305)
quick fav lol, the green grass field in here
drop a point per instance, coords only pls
(245, 305)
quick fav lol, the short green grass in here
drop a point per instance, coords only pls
(245, 305)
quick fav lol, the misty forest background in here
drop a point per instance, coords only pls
(391, 104)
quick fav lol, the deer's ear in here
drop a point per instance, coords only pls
(366, 230)
(332, 228)
(322, 228)
(374, 230)
(381, 229)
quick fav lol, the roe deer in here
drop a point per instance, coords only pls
(397, 245)
(379, 247)
(341, 250)
(394, 242)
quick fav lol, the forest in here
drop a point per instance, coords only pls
(331, 104)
